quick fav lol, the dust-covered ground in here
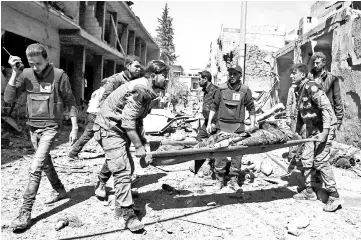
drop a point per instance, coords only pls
(261, 210)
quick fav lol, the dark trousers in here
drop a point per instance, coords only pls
(42, 140)
(202, 134)
(85, 137)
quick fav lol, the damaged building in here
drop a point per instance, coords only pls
(260, 72)
(89, 40)
(333, 28)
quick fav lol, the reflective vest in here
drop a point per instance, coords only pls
(43, 104)
(231, 108)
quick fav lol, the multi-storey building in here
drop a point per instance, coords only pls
(89, 40)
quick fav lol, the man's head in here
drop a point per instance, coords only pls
(319, 61)
(157, 71)
(234, 74)
(132, 64)
(205, 78)
(299, 73)
(37, 57)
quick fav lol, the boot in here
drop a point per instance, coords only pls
(233, 183)
(306, 194)
(220, 181)
(332, 204)
(56, 195)
(131, 220)
(100, 190)
(22, 221)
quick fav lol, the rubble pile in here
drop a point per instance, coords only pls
(346, 156)
(256, 67)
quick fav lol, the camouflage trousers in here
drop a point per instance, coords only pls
(316, 156)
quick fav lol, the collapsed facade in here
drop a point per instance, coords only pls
(89, 40)
(333, 28)
(260, 72)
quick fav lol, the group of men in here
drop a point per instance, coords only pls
(115, 119)
(314, 110)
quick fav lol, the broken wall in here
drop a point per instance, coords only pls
(346, 64)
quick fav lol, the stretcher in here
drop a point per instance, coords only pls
(180, 156)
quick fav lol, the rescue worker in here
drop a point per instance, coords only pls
(131, 72)
(119, 122)
(209, 92)
(231, 100)
(315, 112)
(47, 90)
(88, 133)
(330, 84)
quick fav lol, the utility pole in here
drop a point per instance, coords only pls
(242, 39)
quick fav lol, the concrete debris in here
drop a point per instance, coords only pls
(266, 168)
(345, 156)
(61, 223)
(179, 135)
(294, 226)
(343, 163)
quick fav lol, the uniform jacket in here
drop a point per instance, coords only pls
(113, 82)
(331, 86)
(62, 92)
(314, 108)
(126, 106)
(208, 98)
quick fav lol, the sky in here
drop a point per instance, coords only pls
(197, 23)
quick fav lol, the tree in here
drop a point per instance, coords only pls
(165, 36)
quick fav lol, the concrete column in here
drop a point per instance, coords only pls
(124, 37)
(100, 15)
(138, 46)
(131, 43)
(79, 70)
(143, 57)
(98, 63)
